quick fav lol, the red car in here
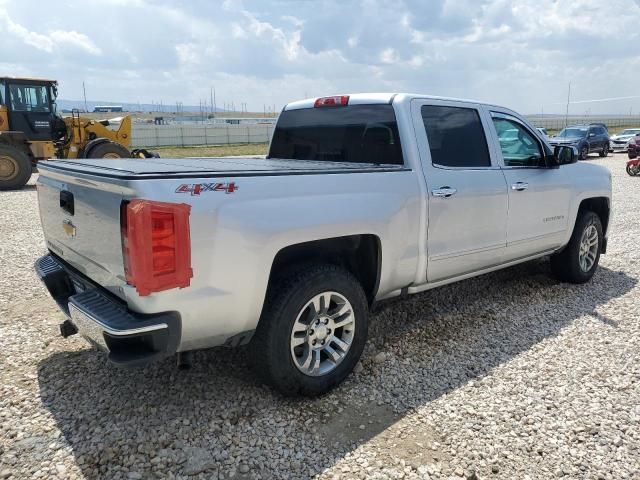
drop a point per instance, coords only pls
(634, 147)
(633, 166)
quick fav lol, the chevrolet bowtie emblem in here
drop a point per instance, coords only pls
(69, 228)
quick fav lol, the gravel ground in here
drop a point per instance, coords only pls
(510, 375)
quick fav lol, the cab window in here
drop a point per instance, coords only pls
(519, 146)
(29, 98)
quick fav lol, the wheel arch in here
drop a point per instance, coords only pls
(360, 254)
(600, 206)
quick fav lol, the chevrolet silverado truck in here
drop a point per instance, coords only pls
(361, 198)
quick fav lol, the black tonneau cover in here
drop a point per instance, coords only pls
(133, 168)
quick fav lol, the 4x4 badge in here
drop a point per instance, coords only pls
(198, 188)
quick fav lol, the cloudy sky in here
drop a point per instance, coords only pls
(519, 53)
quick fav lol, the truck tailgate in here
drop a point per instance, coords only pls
(81, 224)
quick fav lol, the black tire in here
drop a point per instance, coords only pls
(270, 347)
(15, 168)
(108, 150)
(584, 152)
(605, 150)
(566, 264)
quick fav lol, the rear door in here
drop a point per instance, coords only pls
(466, 188)
(539, 197)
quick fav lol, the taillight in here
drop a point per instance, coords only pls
(156, 245)
(337, 101)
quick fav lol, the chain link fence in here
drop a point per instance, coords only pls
(189, 135)
(613, 123)
(182, 135)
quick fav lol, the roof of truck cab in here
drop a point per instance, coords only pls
(28, 79)
(377, 98)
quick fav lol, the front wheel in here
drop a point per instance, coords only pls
(584, 152)
(312, 330)
(579, 260)
(605, 150)
(633, 170)
(109, 150)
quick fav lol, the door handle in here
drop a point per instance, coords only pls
(445, 192)
(519, 186)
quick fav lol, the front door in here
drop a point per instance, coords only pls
(467, 194)
(30, 110)
(538, 196)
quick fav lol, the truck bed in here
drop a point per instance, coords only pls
(208, 167)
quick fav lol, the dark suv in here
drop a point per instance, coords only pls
(586, 138)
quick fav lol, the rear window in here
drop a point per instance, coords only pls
(355, 133)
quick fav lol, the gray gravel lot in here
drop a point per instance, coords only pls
(509, 375)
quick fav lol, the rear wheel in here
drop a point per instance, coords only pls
(633, 170)
(605, 150)
(108, 150)
(312, 330)
(579, 260)
(15, 168)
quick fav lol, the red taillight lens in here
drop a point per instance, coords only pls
(337, 101)
(156, 245)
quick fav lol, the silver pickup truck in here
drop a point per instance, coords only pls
(361, 198)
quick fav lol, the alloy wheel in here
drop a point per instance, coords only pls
(588, 248)
(322, 334)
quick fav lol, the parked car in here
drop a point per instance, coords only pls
(361, 198)
(543, 131)
(586, 138)
(620, 141)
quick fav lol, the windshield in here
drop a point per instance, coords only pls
(573, 132)
(29, 98)
(354, 133)
(630, 131)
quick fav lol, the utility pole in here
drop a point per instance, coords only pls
(84, 92)
(214, 102)
(566, 115)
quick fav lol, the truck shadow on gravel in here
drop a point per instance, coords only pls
(217, 420)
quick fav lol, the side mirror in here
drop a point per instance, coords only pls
(592, 134)
(564, 155)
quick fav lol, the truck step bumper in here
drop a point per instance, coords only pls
(129, 338)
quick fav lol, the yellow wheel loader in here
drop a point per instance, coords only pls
(32, 131)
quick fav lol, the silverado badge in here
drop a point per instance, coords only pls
(69, 228)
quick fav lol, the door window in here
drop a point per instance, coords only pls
(456, 137)
(519, 146)
(29, 98)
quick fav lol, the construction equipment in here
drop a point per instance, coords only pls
(31, 130)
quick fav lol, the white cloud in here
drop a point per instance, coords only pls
(75, 39)
(520, 54)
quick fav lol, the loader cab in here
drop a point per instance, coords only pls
(30, 106)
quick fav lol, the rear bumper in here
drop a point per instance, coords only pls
(129, 338)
